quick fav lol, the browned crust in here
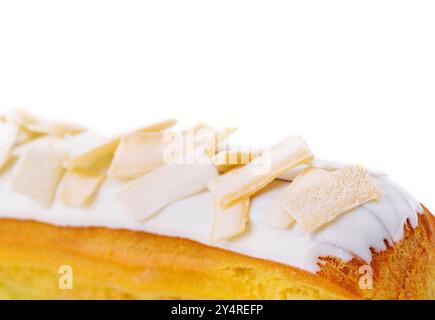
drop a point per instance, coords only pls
(403, 271)
(112, 263)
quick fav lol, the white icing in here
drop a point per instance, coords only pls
(322, 164)
(352, 234)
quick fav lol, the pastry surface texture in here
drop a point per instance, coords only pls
(132, 221)
(122, 264)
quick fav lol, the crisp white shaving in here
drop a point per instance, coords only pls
(229, 222)
(8, 137)
(101, 148)
(226, 160)
(54, 128)
(138, 153)
(150, 193)
(38, 172)
(318, 196)
(32, 125)
(78, 188)
(42, 141)
(83, 143)
(278, 217)
(257, 174)
(20, 118)
(184, 208)
(192, 217)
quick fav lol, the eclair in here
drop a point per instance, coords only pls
(162, 212)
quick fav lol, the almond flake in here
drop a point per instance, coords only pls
(8, 137)
(229, 222)
(258, 173)
(38, 172)
(138, 153)
(278, 217)
(44, 140)
(152, 192)
(227, 160)
(108, 148)
(318, 196)
(54, 128)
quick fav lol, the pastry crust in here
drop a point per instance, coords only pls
(122, 264)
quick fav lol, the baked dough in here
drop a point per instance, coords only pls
(122, 264)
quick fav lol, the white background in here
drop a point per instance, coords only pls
(355, 78)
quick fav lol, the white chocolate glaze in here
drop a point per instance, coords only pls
(352, 234)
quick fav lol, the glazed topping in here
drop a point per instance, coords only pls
(278, 217)
(165, 200)
(158, 167)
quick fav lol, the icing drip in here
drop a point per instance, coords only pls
(352, 234)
